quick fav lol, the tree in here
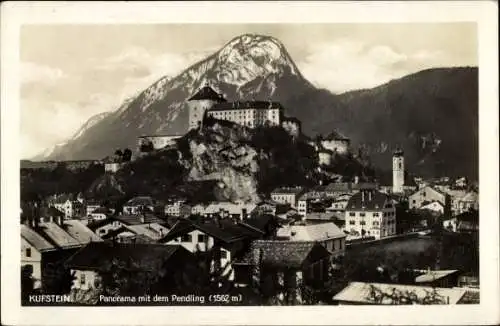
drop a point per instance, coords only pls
(118, 156)
(127, 155)
(27, 283)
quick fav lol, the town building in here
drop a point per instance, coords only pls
(33, 247)
(100, 213)
(200, 102)
(370, 213)
(398, 172)
(278, 268)
(248, 113)
(90, 206)
(287, 195)
(96, 258)
(155, 224)
(227, 239)
(71, 208)
(237, 210)
(469, 201)
(361, 293)
(148, 143)
(140, 204)
(427, 195)
(465, 222)
(178, 207)
(326, 234)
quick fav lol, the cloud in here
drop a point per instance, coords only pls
(32, 73)
(141, 68)
(345, 65)
(44, 124)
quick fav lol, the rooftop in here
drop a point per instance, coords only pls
(287, 190)
(207, 93)
(231, 208)
(283, 253)
(313, 232)
(98, 255)
(137, 219)
(367, 200)
(58, 236)
(141, 201)
(35, 239)
(80, 231)
(258, 105)
(225, 230)
(363, 293)
(430, 276)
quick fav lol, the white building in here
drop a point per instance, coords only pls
(370, 213)
(33, 246)
(249, 113)
(178, 208)
(398, 172)
(286, 195)
(327, 234)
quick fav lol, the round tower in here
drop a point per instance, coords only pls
(200, 102)
(398, 171)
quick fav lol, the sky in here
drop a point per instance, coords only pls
(72, 72)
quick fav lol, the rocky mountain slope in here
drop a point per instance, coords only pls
(422, 112)
(232, 162)
(248, 67)
(432, 115)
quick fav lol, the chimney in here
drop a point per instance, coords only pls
(363, 196)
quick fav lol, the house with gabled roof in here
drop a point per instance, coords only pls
(141, 204)
(287, 195)
(225, 238)
(33, 248)
(148, 221)
(327, 234)
(370, 213)
(427, 194)
(89, 263)
(280, 267)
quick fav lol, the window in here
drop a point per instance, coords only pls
(83, 278)
(351, 222)
(375, 214)
(362, 214)
(362, 223)
(223, 254)
(186, 238)
(28, 252)
(375, 223)
(201, 238)
(352, 214)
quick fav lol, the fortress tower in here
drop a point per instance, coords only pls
(398, 171)
(203, 100)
